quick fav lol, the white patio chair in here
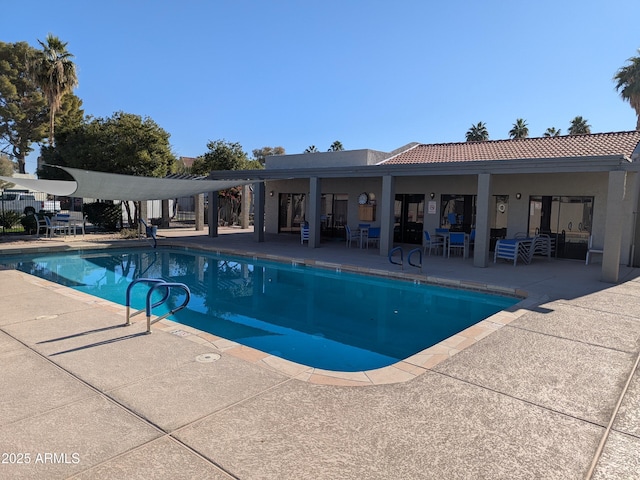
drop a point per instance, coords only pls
(432, 243)
(351, 235)
(591, 250)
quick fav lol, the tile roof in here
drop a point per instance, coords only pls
(594, 145)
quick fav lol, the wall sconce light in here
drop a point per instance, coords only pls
(518, 196)
(271, 193)
(432, 195)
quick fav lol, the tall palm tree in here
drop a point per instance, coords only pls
(628, 84)
(311, 149)
(336, 146)
(552, 132)
(520, 129)
(579, 126)
(55, 73)
(477, 133)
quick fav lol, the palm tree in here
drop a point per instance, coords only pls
(520, 129)
(477, 133)
(54, 72)
(628, 84)
(579, 126)
(311, 149)
(336, 146)
(552, 132)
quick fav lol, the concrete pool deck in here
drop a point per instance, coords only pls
(551, 394)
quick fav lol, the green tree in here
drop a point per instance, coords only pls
(519, 130)
(628, 84)
(477, 133)
(223, 155)
(71, 114)
(336, 146)
(260, 154)
(552, 132)
(6, 169)
(579, 126)
(55, 73)
(125, 144)
(311, 149)
(23, 109)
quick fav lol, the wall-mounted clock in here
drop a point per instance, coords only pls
(363, 198)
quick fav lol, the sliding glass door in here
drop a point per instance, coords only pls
(566, 219)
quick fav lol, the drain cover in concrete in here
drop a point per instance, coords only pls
(180, 333)
(207, 357)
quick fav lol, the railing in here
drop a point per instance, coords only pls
(156, 284)
(150, 232)
(393, 258)
(413, 252)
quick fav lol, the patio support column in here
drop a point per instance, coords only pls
(198, 201)
(387, 219)
(258, 211)
(246, 206)
(165, 214)
(212, 213)
(613, 226)
(483, 202)
(142, 213)
(314, 211)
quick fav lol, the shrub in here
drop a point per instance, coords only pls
(9, 219)
(29, 223)
(103, 215)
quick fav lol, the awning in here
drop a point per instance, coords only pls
(112, 186)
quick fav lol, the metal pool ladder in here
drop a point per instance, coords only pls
(415, 251)
(156, 284)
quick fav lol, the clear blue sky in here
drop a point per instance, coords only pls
(372, 74)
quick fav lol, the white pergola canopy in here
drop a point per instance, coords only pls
(112, 186)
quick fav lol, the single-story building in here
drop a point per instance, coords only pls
(568, 187)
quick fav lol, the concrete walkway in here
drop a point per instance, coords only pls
(554, 394)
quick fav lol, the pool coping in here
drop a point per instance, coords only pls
(399, 372)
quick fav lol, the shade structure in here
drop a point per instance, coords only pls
(112, 186)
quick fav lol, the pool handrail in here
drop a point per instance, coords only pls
(127, 301)
(155, 283)
(394, 250)
(149, 232)
(412, 252)
(167, 286)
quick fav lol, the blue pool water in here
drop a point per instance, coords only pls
(321, 318)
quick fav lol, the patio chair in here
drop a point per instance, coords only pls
(351, 235)
(63, 220)
(374, 236)
(457, 242)
(41, 224)
(432, 243)
(52, 228)
(304, 234)
(591, 249)
(472, 239)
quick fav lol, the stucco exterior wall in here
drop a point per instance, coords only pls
(345, 158)
(565, 184)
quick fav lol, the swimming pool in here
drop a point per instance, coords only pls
(321, 318)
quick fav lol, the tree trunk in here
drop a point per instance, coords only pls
(52, 121)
